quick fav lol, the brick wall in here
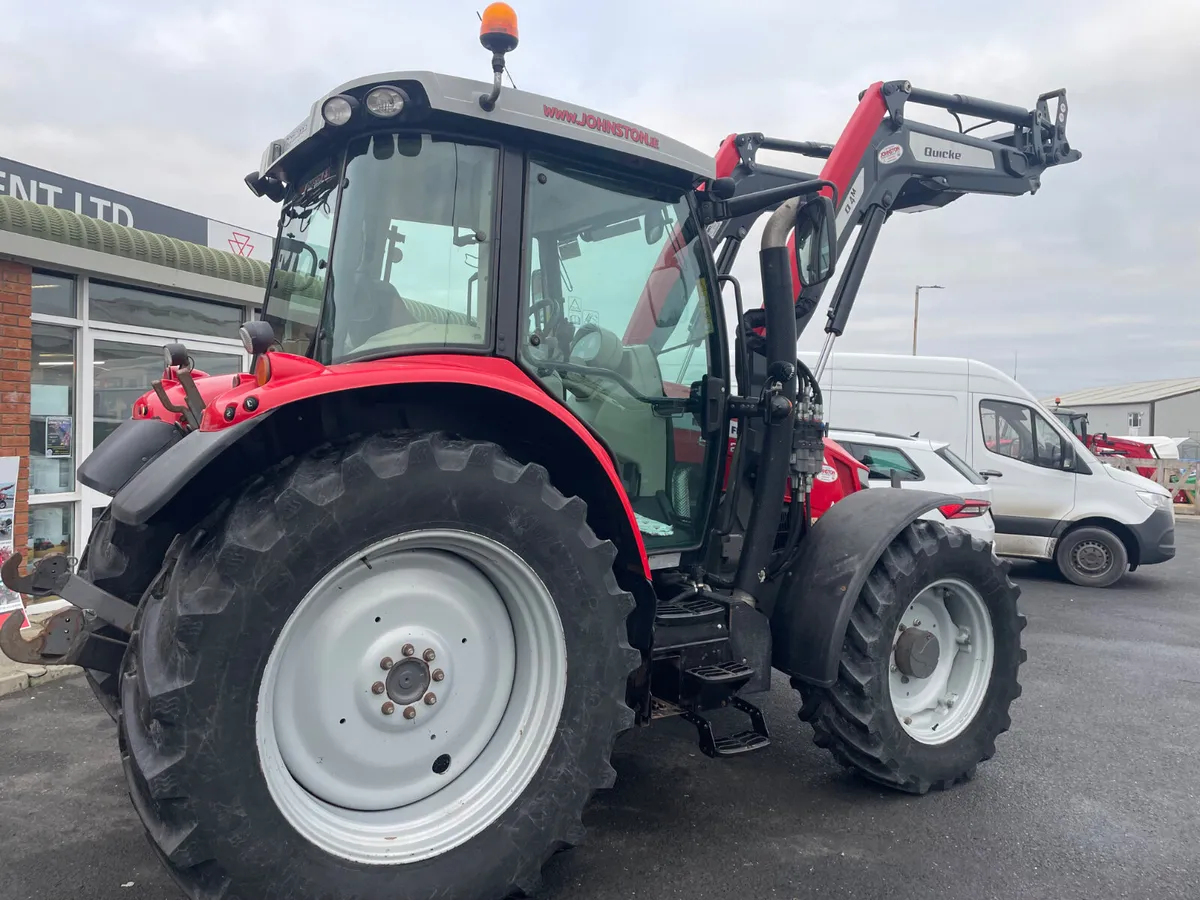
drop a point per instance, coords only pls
(16, 339)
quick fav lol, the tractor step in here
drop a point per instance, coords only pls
(755, 738)
(729, 675)
(689, 622)
(688, 612)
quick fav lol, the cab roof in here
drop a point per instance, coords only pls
(433, 93)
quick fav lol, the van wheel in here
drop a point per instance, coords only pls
(1091, 557)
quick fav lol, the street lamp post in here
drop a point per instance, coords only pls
(917, 308)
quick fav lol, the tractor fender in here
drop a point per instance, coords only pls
(144, 480)
(817, 593)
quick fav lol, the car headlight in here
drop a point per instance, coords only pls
(1155, 499)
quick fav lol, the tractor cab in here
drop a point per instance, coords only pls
(422, 217)
(1076, 422)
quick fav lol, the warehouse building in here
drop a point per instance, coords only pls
(1170, 408)
(93, 282)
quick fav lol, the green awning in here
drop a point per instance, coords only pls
(63, 227)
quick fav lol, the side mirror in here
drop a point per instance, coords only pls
(816, 241)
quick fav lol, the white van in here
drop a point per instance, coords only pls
(1052, 498)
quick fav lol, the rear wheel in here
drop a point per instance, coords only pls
(1091, 557)
(392, 670)
(121, 560)
(929, 664)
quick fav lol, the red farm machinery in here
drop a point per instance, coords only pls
(370, 615)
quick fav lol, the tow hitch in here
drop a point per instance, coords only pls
(71, 636)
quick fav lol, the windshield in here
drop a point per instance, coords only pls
(293, 303)
(413, 239)
(619, 327)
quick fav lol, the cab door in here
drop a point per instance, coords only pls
(1030, 467)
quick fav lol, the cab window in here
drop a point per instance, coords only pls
(618, 325)
(1021, 433)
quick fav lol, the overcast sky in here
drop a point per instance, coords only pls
(1092, 281)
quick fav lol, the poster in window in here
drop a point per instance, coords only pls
(58, 437)
(10, 601)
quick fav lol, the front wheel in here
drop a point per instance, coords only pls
(1091, 557)
(392, 670)
(929, 664)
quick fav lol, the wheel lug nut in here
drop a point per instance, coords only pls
(430, 699)
(410, 712)
(428, 655)
(438, 674)
(907, 720)
(408, 650)
(386, 663)
(388, 708)
(377, 688)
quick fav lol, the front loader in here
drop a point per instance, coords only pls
(370, 615)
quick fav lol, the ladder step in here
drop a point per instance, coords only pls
(722, 673)
(742, 742)
(688, 612)
(731, 745)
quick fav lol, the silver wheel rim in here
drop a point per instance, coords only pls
(445, 613)
(1091, 557)
(937, 709)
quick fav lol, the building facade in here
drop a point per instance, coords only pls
(92, 284)
(1170, 408)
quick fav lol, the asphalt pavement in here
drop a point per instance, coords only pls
(1093, 794)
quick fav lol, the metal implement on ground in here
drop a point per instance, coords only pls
(493, 490)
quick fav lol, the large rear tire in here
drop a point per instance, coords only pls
(390, 670)
(920, 712)
(121, 560)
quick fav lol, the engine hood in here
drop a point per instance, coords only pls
(1134, 480)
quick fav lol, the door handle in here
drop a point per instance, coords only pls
(991, 473)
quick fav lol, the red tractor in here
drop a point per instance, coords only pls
(1103, 445)
(370, 616)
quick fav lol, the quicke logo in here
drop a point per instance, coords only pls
(934, 153)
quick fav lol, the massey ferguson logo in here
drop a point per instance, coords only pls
(934, 153)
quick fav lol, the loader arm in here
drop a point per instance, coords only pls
(883, 162)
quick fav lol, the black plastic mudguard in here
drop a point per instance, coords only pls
(165, 475)
(125, 452)
(818, 592)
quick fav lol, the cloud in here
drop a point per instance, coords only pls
(1091, 281)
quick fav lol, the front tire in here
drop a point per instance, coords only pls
(884, 723)
(1091, 557)
(260, 752)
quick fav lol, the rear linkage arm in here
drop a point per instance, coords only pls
(70, 637)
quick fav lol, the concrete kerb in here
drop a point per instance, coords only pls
(16, 677)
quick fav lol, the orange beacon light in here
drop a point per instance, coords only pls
(498, 28)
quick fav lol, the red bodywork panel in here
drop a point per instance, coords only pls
(295, 378)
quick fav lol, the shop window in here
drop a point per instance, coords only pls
(166, 312)
(51, 530)
(53, 295)
(52, 411)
